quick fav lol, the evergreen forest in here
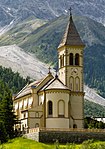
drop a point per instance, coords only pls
(14, 81)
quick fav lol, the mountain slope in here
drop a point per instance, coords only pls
(50, 34)
(21, 9)
(24, 63)
(13, 12)
(23, 28)
(91, 95)
(92, 109)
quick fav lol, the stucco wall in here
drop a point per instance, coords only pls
(57, 123)
(55, 97)
(77, 110)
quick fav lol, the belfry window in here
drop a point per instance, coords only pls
(71, 59)
(77, 59)
(50, 108)
(62, 60)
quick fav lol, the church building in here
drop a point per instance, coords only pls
(56, 101)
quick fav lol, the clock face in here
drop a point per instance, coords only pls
(74, 71)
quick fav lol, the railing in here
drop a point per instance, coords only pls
(32, 130)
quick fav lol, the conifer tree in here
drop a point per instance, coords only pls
(6, 110)
(3, 134)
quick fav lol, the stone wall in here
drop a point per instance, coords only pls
(70, 137)
(33, 136)
(64, 136)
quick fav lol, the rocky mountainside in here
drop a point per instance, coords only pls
(25, 63)
(91, 95)
(15, 10)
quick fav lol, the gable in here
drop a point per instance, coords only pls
(34, 86)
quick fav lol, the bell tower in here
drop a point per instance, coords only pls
(70, 53)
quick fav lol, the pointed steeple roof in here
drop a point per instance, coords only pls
(71, 36)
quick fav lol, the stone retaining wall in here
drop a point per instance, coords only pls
(70, 137)
(64, 137)
(33, 136)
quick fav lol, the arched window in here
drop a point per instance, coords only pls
(50, 108)
(71, 83)
(61, 108)
(77, 59)
(77, 84)
(71, 59)
(63, 60)
(60, 61)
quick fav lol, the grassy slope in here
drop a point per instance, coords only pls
(46, 38)
(20, 32)
(21, 143)
(93, 109)
(41, 41)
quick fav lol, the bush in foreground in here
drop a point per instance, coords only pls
(22, 143)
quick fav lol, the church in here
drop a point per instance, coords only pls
(56, 101)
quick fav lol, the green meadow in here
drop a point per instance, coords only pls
(22, 143)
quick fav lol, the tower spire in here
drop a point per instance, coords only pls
(71, 36)
(70, 9)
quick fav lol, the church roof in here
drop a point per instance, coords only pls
(34, 85)
(55, 84)
(71, 36)
(27, 89)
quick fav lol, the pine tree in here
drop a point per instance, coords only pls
(3, 134)
(6, 110)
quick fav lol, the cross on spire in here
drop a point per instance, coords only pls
(70, 9)
(49, 70)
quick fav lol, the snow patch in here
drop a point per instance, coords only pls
(66, 11)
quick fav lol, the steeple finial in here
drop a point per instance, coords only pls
(70, 9)
(49, 70)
